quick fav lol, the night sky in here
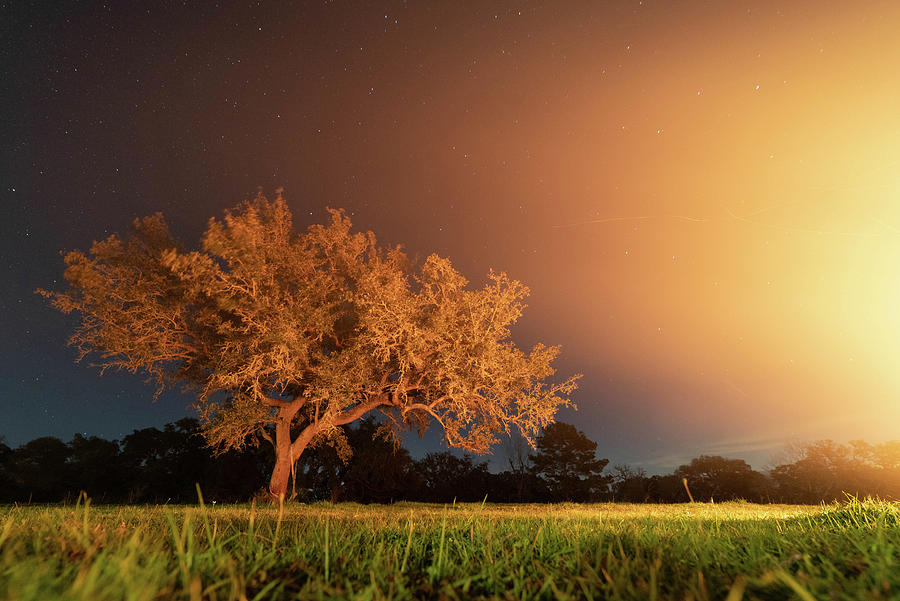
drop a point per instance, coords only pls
(702, 196)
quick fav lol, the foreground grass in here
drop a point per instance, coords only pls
(413, 551)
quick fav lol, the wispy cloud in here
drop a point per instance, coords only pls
(753, 449)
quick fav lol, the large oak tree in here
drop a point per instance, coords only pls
(286, 336)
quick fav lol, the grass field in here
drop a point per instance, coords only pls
(413, 551)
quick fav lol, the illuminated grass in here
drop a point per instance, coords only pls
(413, 551)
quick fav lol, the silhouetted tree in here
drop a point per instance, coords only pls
(8, 485)
(629, 484)
(167, 464)
(566, 460)
(712, 477)
(666, 489)
(96, 468)
(517, 487)
(288, 336)
(164, 464)
(41, 469)
(236, 475)
(145, 455)
(519, 483)
(446, 477)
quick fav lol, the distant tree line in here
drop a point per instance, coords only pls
(158, 466)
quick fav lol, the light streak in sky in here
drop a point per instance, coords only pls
(741, 218)
(639, 218)
(791, 228)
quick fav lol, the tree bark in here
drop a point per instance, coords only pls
(281, 474)
(284, 457)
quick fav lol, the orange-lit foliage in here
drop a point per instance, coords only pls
(287, 336)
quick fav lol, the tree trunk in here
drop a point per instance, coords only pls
(284, 458)
(278, 484)
(288, 451)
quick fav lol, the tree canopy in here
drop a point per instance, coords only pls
(286, 336)
(567, 460)
(712, 477)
